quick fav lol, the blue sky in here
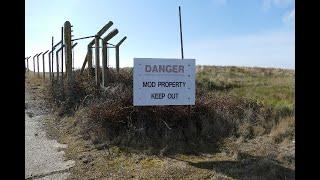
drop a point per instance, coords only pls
(215, 32)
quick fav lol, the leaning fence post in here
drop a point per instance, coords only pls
(117, 52)
(104, 55)
(38, 63)
(57, 58)
(90, 67)
(43, 64)
(28, 63)
(25, 66)
(88, 58)
(34, 65)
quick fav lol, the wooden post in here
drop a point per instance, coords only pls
(68, 51)
(97, 72)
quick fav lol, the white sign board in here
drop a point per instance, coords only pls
(163, 82)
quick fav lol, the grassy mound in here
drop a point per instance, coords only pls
(229, 102)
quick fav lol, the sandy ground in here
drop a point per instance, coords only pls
(43, 160)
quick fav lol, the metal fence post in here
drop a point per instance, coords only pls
(52, 54)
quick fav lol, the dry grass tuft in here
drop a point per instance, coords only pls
(283, 130)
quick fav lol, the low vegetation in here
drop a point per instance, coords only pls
(234, 106)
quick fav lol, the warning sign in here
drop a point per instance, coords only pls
(163, 82)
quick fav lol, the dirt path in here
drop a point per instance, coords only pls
(42, 158)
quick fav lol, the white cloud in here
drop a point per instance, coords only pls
(264, 49)
(267, 4)
(289, 18)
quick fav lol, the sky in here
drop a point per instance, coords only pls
(254, 33)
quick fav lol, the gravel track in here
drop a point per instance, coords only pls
(42, 158)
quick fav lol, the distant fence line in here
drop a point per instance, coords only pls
(66, 46)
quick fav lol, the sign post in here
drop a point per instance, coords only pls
(180, 23)
(163, 82)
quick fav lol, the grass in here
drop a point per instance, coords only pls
(231, 103)
(284, 129)
(272, 87)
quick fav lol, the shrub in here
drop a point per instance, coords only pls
(156, 127)
(109, 115)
